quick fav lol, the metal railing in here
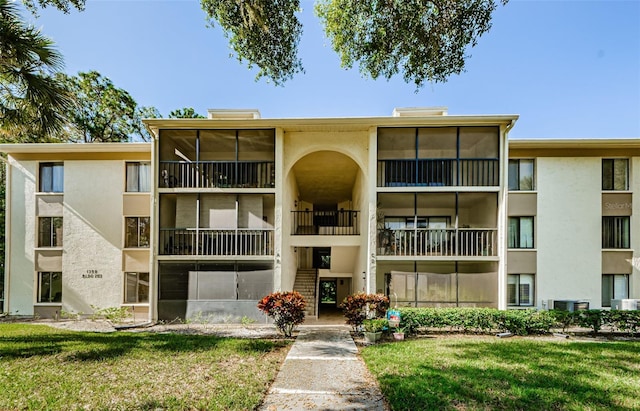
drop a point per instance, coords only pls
(439, 242)
(438, 172)
(221, 174)
(206, 241)
(342, 222)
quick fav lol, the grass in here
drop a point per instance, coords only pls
(485, 373)
(44, 368)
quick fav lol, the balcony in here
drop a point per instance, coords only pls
(441, 172)
(217, 174)
(342, 222)
(211, 242)
(441, 242)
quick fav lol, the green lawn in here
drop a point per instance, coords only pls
(486, 373)
(44, 368)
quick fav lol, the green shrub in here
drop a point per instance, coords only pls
(286, 309)
(593, 319)
(113, 314)
(357, 307)
(374, 325)
(477, 320)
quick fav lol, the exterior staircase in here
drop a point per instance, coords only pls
(305, 284)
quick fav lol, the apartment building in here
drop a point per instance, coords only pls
(429, 208)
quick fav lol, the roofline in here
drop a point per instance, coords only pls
(306, 122)
(75, 148)
(583, 143)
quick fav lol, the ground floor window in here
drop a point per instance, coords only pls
(49, 287)
(614, 287)
(136, 288)
(520, 289)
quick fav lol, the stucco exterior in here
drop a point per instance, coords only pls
(422, 198)
(568, 239)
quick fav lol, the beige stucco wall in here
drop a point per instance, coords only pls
(93, 235)
(634, 281)
(569, 229)
(21, 276)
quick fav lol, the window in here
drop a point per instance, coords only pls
(614, 286)
(521, 175)
(520, 232)
(136, 288)
(615, 174)
(520, 289)
(138, 177)
(50, 232)
(137, 232)
(49, 287)
(615, 232)
(51, 177)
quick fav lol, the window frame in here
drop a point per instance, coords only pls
(137, 188)
(518, 290)
(610, 240)
(519, 168)
(48, 184)
(55, 241)
(50, 299)
(612, 185)
(517, 244)
(136, 292)
(138, 232)
(613, 290)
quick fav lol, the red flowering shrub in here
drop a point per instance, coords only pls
(357, 307)
(286, 309)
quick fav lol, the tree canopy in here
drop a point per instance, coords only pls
(185, 112)
(62, 5)
(421, 40)
(265, 33)
(30, 97)
(101, 111)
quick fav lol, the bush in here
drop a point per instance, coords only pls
(374, 325)
(477, 320)
(286, 309)
(357, 307)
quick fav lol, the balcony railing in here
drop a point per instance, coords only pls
(438, 172)
(205, 241)
(221, 174)
(441, 242)
(343, 222)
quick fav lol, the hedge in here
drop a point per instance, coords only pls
(517, 322)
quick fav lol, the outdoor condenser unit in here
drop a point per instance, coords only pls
(570, 305)
(625, 304)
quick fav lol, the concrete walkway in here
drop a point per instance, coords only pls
(324, 372)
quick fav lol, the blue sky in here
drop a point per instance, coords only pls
(570, 69)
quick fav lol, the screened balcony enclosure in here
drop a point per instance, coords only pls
(217, 159)
(438, 156)
(226, 225)
(437, 224)
(441, 284)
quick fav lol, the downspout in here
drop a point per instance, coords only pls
(155, 211)
(7, 231)
(502, 240)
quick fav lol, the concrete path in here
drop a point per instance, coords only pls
(324, 372)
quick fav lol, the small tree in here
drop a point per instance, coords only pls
(286, 309)
(357, 307)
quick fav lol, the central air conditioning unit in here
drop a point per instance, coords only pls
(570, 305)
(626, 304)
